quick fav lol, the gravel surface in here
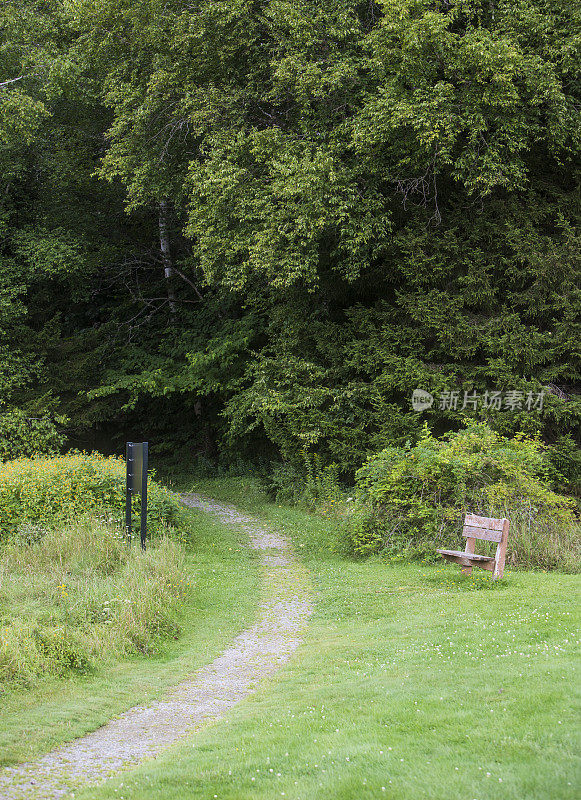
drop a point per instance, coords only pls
(144, 731)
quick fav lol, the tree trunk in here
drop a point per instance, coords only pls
(166, 252)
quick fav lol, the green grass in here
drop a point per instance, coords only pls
(224, 574)
(77, 597)
(413, 682)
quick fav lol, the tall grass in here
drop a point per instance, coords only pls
(78, 596)
(540, 540)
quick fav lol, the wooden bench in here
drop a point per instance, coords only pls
(488, 529)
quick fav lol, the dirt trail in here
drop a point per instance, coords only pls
(143, 732)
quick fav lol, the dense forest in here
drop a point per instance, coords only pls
(248, 230)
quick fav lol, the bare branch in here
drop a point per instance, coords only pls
(426, 187)
(12, 80)
(187, 280)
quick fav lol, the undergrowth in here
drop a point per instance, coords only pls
(78, 596)
(409, 501)
(45, 492)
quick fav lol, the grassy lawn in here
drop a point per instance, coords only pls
(225, 575)
(414, 681)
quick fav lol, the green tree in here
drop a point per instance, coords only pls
(273, 220)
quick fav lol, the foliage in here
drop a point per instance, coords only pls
(310, 485)
(22, 436)
(48, 491)
(413, 499)
(565, 465)
(78, 597)
(356, 200)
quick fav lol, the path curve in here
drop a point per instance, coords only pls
(143, 732)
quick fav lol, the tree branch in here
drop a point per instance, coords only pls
(187, 280)
(12, 80)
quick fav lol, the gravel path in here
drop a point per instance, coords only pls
(144, 731)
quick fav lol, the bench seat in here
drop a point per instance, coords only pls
(463, 554)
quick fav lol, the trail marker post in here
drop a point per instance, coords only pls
(137, 464)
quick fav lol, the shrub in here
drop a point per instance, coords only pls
(413, 499)
(565, 465)
(22, 436)
(313, 486)
(48, 491)
(79, 597)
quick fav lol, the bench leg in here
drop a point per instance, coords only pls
(501, 553)
(470, 545)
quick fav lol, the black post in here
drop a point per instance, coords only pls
(129, 489)
(145, 446)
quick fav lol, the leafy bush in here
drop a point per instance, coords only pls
(22, 436)
(48, 491)
(311, 486)
(565, 465)
(413, 499)
(79, 597)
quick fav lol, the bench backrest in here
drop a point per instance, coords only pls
(486, 528)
